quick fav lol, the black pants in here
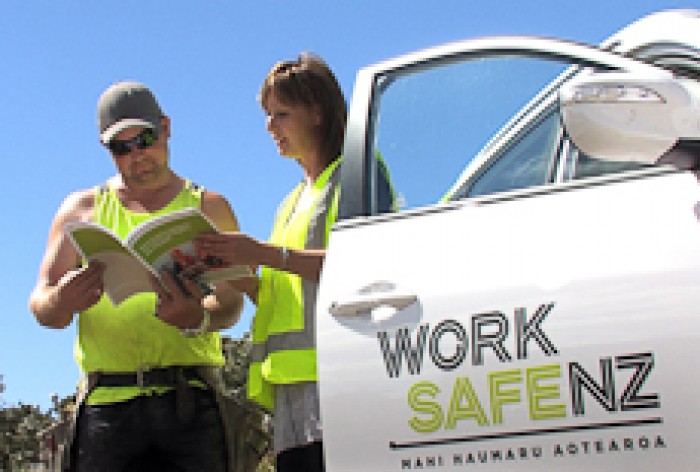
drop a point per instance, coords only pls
(145, 434)
(306, 458)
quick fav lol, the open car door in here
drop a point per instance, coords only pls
(527, 306)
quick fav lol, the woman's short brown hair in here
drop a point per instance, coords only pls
(309, 81)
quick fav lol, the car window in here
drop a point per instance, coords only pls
(466, 120)
(526, 162)
(581, 165)
(431, 125)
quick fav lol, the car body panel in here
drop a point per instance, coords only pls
(605, 302)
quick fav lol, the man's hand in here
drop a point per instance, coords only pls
(79, 289)
(179, 300)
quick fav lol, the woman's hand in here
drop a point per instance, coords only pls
(228, 249)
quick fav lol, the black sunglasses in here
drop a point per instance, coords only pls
(143, 140)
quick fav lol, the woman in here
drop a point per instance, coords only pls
(306, 114)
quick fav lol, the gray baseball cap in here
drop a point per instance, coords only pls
(126, 105)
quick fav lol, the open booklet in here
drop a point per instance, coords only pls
(161, 243)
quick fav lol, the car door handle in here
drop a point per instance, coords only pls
(370, 297)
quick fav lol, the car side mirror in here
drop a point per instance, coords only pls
(621, 116)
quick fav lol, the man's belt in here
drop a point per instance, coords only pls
(175, 376)
(156, 377)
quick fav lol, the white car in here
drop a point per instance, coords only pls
(532, 301)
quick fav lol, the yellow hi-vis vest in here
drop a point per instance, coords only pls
(284, 331)
(127, 337)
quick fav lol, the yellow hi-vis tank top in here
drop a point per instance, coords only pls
(128, 337)
(284, 336)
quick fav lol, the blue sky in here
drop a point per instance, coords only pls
(205, 61)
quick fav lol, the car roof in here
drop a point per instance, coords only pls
(669, 26)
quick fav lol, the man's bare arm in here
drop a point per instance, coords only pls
(226, 303)
(63, 288)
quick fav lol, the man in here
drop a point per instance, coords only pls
(147, 360)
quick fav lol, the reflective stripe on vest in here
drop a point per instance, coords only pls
(284, 332)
